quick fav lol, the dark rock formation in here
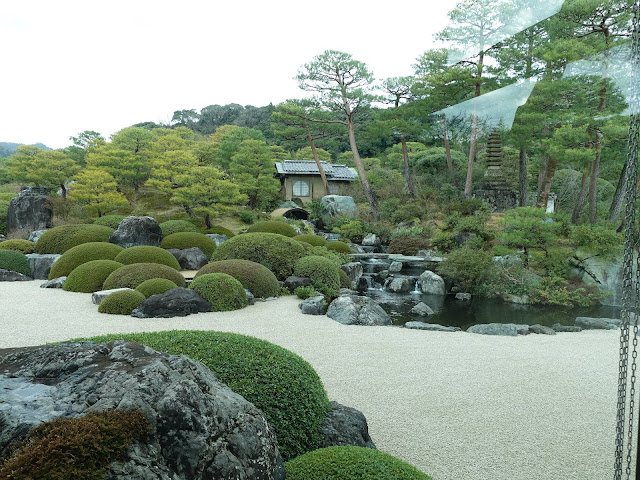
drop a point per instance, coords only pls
(293, 282)
(11, 276)
(29, 212)
(542, 330)
(134, 231)
(564, 328)
(432, 327)
(313, 305)
(346, 426)
(190, 258)
(354, 272)
(40, 264)
(357, 310)
(177, 302)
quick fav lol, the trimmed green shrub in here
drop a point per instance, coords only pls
(247, 216)
(147, 254)
(305, 292)
(280, 383)
(222, 291)
(443, 241)
(89, 276)
(112, 221)
(155, 286)
(336, 258)
(83, 253)
(338, 246)
(315, 240)
(467, 268)
(15, 261)
(130, 276)
(276, 252)
(22, 246)
(351, 463)
(60, 239)
(121, 303)
(597, 239)
(318, 269)
(272, 226)
(182, 240)
(408, 245)
(258, 279)
(174, 226)
(217, 229)
(345, 282)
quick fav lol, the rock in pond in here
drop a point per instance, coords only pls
(357, 310)
(432, 283)
(503, 329)
(433, 327)
(422, 310)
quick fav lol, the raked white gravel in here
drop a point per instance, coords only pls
(458, 406)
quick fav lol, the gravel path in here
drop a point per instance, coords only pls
(458, 406)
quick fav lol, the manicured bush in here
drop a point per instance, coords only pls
(338, 246)
(89, 276)
(112, 221)
(258, 279)
(22, 246)
(15, 261)
(182, 240)
(276, 252)
(315, 240)
(155, 286)
(280, 383)
(147, 254)
(408, 245)
(272, 226)
(222, 291)
(336, 258)
(130, 276)
(305, 292)
(60, 239)
(467, 268)
(318, 269)
(121, 303)
(78, 447)
(597, 239)
(351, 463)
(443, 241)
(174, 226)
(83, 253)
(345, 282)
(217, 229)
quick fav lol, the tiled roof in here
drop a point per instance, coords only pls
(309, 167)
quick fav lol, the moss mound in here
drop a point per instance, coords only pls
(351, 463)
(89, 276)
(183, 240)
(147, 254)
(22, 246)
(280, 383)
(338, 246)
(319, 270)
(83, 253)
(155, 286)
(271, 226)
(15, 261)
(345, 282)
(174, 226)
(408, 245)
(121, 303)
(222, 291)
(314, 240)
(111, 221)
(219, 230)
(74, 448)
(258, 279)
(60, 239)
(130, 276)
(276, 252)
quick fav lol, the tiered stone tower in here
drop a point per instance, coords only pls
(493, 189)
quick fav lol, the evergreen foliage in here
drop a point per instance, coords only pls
(112, 221)
(155, 286)
(182, 240)
(89, 276)
(174, 226)
(62, 238)
(320, 270)
(15, 261)
(147, 254)
(23, 246)
(83, 253)
(222, 291)
(256, 278)
(121, 303)
(130, 276)
(273, 226)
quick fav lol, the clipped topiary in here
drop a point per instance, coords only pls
(83, 253)
(89, 277)
(111, 221)
(280, 383)
(345, 282)
(336, 258)
(318, 269)
(147, 254)
(314, 240)
(222, 291)
(219, 230)
(155, 286)
(276, 252)
(15, 261)
(60, 239)
(121, 303)
(174, 226)
(256, 278)
(182, 240)
(22, 246)
(271, 226)
(351, 463)
(338, 246)
(130, 276)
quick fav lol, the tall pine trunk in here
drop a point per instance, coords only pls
(325, 183)
(368, 191)
(407, 170)
(582, 196)
(549, 172)
(468, 184)
(522, 177)
(593, 183)
(447, 150)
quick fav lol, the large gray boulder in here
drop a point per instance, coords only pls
(422, 310)
(346, 426)
(357, 310)
(11, 276)
(337, 206)
(504, 329)
(134, 231)
(294, 282)
(354, 272)
(40, 264)
(605, 273)
(313, 305)
(201, 429)
(431, 283)
(541, 330)
(177, 302)
(35, 235)
(189, 258)
(29, 212)
(54, 283)
(401, 285)
(100, 295)
(371, 240)
(589, 323)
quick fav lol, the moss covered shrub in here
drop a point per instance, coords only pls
(155, 286)
(112, 221)
(351, 463)
(60, 239)
(174, 226)
(222, 291)
(218, 230)
(182, 240)
(83, 253)
(15, 261)
(74, 448)
(408, 245)
(89, 276)
(345, 282)
(258, 279)
(280, 383)
(338, 246)
(130, 276)
(314, 240)
(319, 270)
(276, 252)
(272, 226)
(147, 254)
(121, 303)
(18, 245)
(336, 258)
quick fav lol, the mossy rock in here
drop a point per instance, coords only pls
(338, 246)
(89, 276)
(18, 245)
(174, 226)
(121, 303)
(182, 240)
(276, 252)
(219, 230)
(351, 463)
(270, 226)
(130, 276)
(222, 291)
(155, 286)
(319, 270)
(147, 254)
(83, 253)
(256, 278)
(62, 238)
(15, 261)
(314, 240)
(280, 383)
(111, 221)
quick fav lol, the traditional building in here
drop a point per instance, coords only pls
(301, 179)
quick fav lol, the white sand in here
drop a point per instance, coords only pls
(458, 406)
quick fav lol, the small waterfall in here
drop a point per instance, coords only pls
(416, 287)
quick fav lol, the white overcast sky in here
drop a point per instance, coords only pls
(69, 66)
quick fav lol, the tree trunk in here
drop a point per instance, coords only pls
(582, 196)
(522, 199)
(618, 196)
(541, 174)
(317, 160)
(207, 220)
(407, 170)
(447, 149)
(468, 184)
(64, 191)
(187, 209)
(368, 192)
(543, 195)
(593, 183)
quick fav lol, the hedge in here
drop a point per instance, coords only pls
(15, 261)
(314, 240)
(89, 277)
(22, 246)
(319, 270)
(219, 230)
(174, 226)
(130, 276)
(256, 278)
(271, 226)
(182, 240)
(338, 246)
(83, 253)
(147, 254)
(60, 239)
(121, 303)
(112, 221)
(222, 291)
(155, 286)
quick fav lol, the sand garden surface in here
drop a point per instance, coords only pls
(458, 406)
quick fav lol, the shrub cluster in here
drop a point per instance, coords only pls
(467, 268)
(319, 270)
(408, 245)
(256, 278)
(89, 276)
(15, 261)
(121, 303)
(174, 226)
(147, 254)
(182, 240)
(18, 245)
(83, 253)
(217, 229)
(155, 286)
(222, 291)
(314, 240)
(60, 239)
(130, 276)
(112, 221)
(338, 246)
(305, 292)
(273, 226)
(345, 281)
(598, 239)
(335, 257)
